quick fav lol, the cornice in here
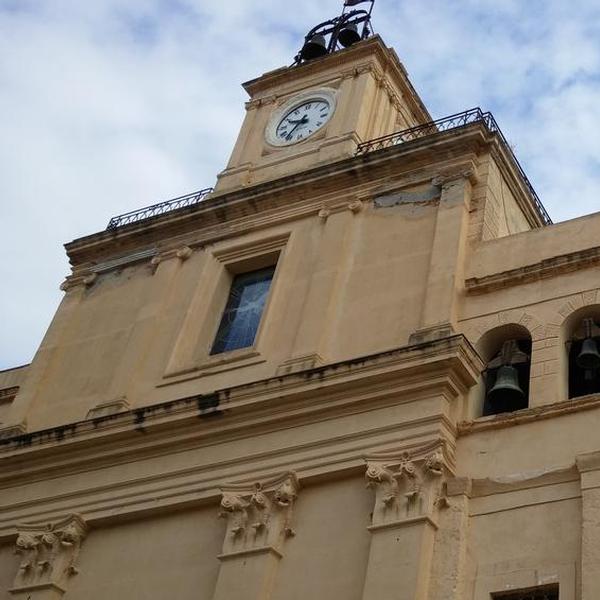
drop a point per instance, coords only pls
(544, 269)
(450, 363)
(436, 370)
(285, 199)
(372, 49)
(529, 415)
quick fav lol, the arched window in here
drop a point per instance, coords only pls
(583, 348)
(507, 353)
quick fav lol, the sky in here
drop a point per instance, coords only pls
(110, 105)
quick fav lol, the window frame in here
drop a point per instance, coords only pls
(532, 593)
(214, 351)
(190, 356)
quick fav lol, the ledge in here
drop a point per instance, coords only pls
(421, 519)
(453, 355)
(250, 552)
(225, 214)
(549, 267)
(528, 415)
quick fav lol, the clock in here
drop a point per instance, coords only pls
(300, 117)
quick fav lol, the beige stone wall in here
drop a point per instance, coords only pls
(334, 511)
(170, 556)
(136, 329)
(343, 455)
(501, 215)
(9, 563)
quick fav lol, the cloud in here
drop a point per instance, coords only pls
(107, 106)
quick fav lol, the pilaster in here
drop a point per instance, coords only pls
(589, 469)
(330, 267)
(445, 278)
(450, 566)
(409, 493)
(258, 523)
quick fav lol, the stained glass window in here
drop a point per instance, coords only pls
(243, 311)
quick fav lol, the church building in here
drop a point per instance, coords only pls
(365, 365)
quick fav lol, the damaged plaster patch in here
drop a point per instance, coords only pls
(399, 198)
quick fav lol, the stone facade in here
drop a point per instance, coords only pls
(344, 454)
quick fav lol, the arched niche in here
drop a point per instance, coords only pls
(507, 345)
(582, 324)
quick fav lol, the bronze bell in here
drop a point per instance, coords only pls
(588, 357)
(506, 392)
(349, 35)
(315, 47)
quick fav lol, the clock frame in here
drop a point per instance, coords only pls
(327, 95)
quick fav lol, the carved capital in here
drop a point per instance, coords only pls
(259, 515)
(408, 484)
(456, 176)
(49, 554)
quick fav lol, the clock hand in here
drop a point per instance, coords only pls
(303, 120)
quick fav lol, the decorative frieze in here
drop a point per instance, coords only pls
(48, 554)
(258, 516)
(407, 485)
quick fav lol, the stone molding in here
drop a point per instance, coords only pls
(544, 269)
(453, 356)
(445, 368)
(112, 407)
(573, 304)
(48, 554)
(528, 415)
(378, 59)
(508, 317)
(409, 485)
(88, 276)
(267, 203)
(263, 101)
(259, 516)
(8, 432)
(380, 78)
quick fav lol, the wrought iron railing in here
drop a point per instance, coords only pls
(158, 209)
(457, 121)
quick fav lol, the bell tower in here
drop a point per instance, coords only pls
(345, 86)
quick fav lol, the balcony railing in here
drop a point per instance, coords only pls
(158, 209)
(454, 122)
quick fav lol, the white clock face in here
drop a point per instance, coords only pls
(302, 121)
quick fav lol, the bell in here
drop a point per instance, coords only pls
(314, 48)
(506, 394)
(588, 357)
(349, 35)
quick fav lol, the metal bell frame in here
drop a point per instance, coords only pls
(334, 27)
